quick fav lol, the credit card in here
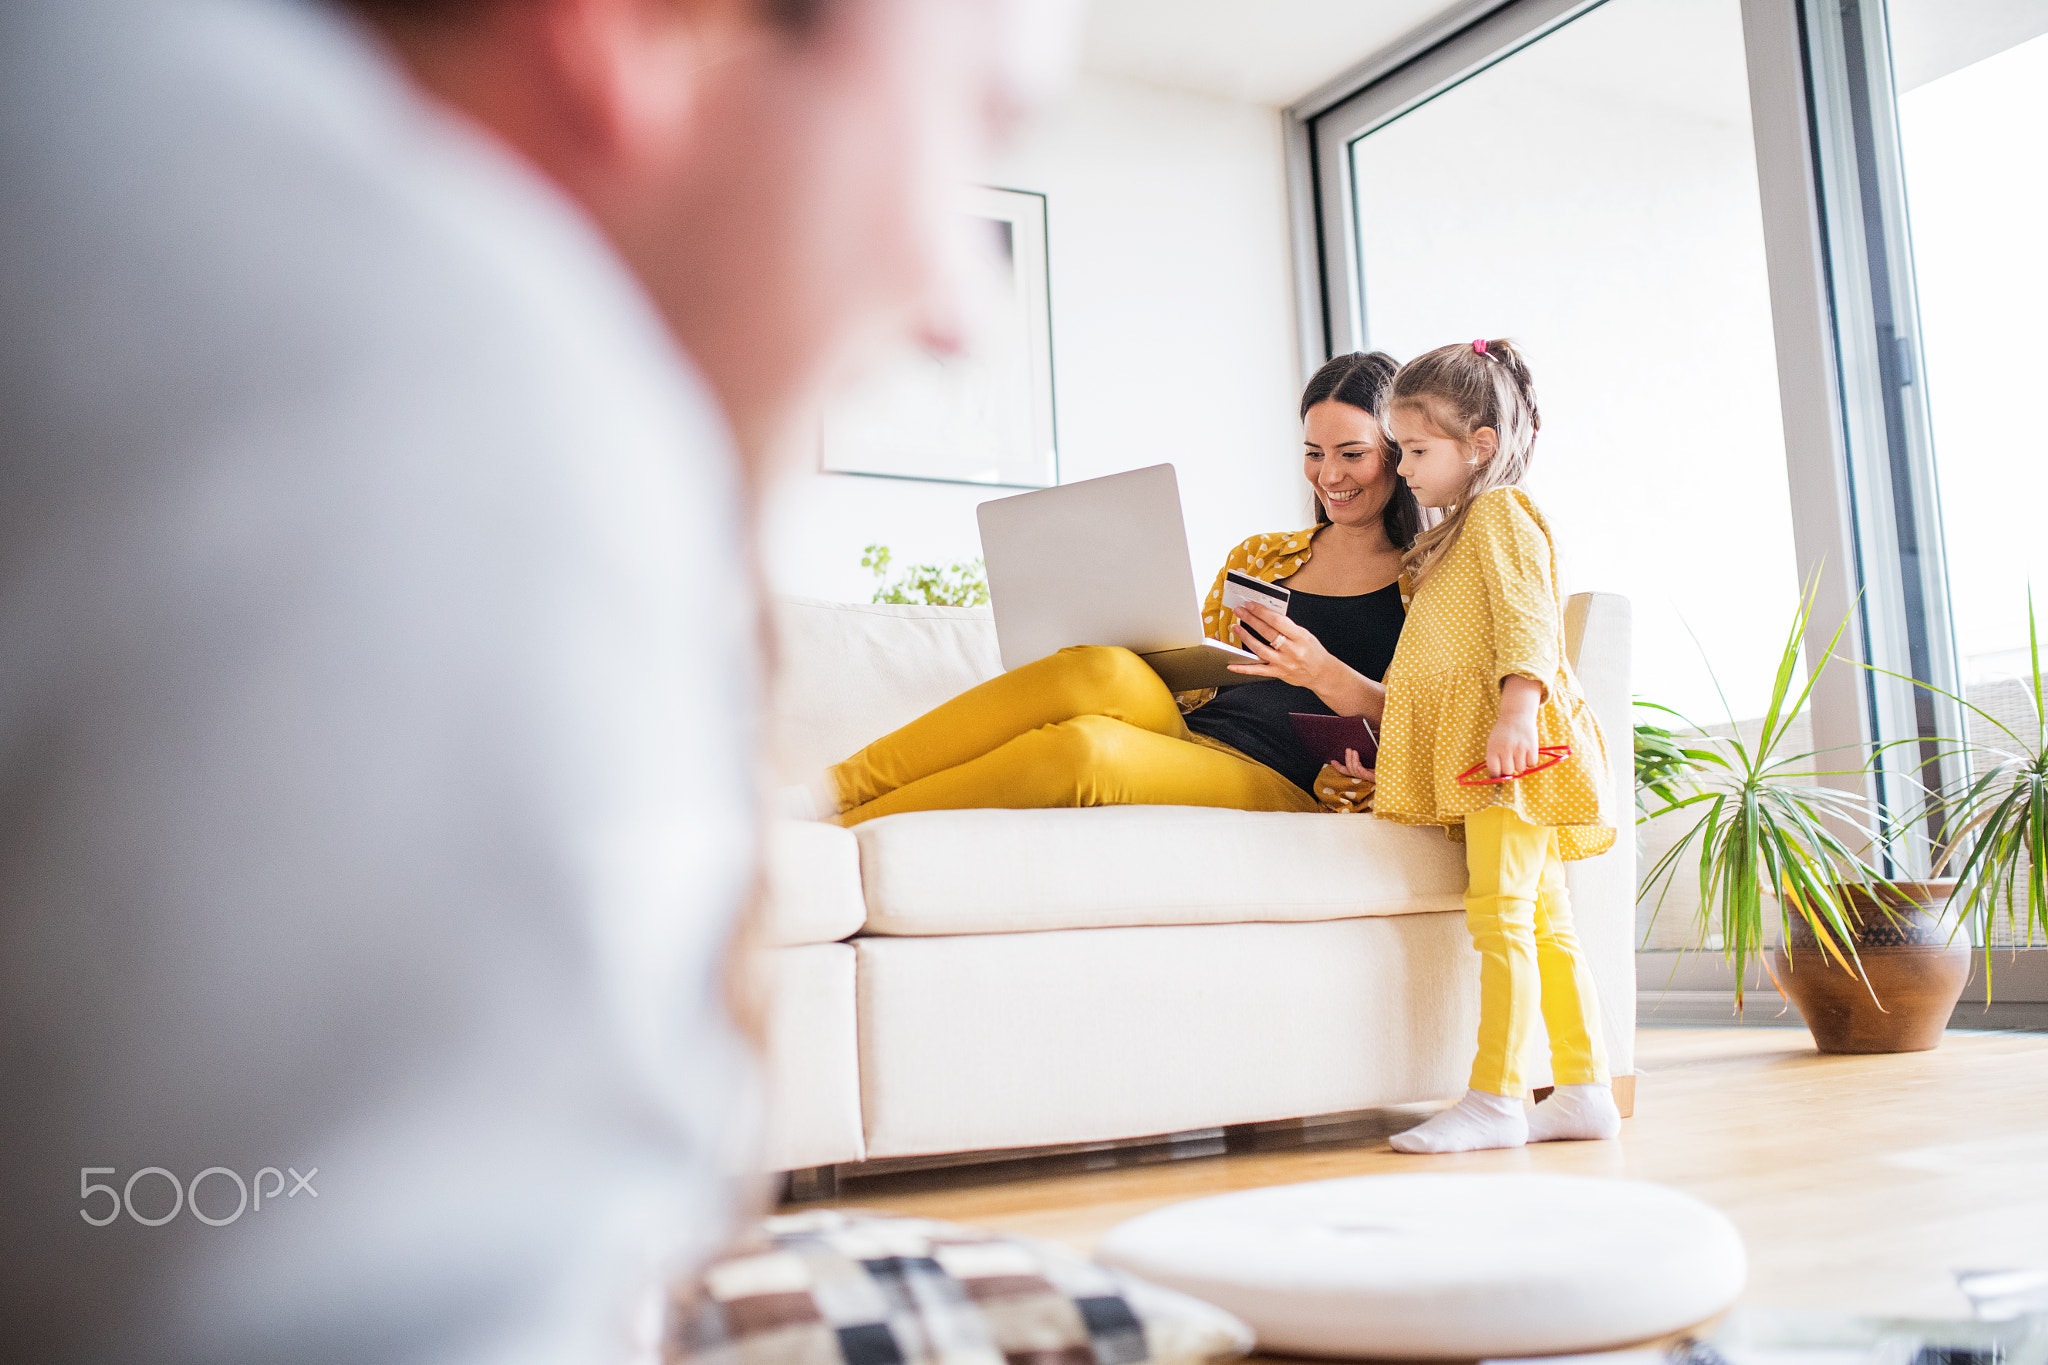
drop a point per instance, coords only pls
(1240, 588)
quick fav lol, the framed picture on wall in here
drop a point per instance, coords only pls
(984, 416)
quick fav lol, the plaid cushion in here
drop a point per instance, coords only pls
(830, 1287)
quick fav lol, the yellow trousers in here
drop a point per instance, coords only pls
(1529, 960)
(1088, 726)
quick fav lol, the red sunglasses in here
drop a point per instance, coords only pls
(1475, 776)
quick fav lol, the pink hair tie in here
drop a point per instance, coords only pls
(1479, 347)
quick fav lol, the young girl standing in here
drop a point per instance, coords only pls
(1487, 734)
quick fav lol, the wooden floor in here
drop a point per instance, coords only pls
(1859, 1183)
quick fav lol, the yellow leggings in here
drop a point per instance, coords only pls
(1529, 960)
(1088, 726)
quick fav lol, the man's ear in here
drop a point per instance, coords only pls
(1485, 445)
(629, 71)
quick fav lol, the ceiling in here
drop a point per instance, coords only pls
(1931, 38)
(1276, 51)
(1264, 51)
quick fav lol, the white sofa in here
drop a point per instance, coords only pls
(960, 981)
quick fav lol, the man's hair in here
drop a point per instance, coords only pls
(798, 16)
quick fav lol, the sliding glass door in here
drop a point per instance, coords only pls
(1973, 119)
(1971, 85)
(1591, 192)
(1778, 267)
(1601, 210)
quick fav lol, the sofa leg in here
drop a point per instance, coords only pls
(810, 1184)
(1240, 1137)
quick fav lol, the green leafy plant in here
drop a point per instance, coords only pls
(1996, 817)
(1665, 768)
(956, 585)
(1763, 829)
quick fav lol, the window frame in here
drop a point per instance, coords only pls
(1887, 430)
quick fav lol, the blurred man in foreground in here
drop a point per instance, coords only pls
(380, 389)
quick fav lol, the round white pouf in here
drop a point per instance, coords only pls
(1444, 1266)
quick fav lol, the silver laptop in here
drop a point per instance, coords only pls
(1102, 562)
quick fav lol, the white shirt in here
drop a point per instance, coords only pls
(374, 724)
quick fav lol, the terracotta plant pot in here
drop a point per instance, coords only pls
(1909, 964)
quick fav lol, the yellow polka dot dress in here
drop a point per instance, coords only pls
(1488, 611)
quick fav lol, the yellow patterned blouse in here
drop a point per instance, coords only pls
(1489, 610)
(1270, 558)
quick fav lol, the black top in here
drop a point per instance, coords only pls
(1252, 718)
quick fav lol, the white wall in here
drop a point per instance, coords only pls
(1173, 331)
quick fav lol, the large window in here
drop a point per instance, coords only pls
(1975, 144)
(1591, 191)
(1601, 209)
(1777, 265)
(1972, 86)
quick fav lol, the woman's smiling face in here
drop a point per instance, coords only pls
(1344, 459)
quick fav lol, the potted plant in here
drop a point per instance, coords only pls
(1909, 970)
(1665, 767)
(1991, 824)
(1764, 841)
(959, 584)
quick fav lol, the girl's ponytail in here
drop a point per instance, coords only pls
(1460, 389)
(1510, 357)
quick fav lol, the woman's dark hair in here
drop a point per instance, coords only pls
(1363, 380)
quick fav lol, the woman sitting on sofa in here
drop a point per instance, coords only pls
(1094, 725)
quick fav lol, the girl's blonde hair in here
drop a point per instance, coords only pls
(1460, 389)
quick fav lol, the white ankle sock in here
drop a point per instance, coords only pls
(1474, 1123)
(1576, 1113)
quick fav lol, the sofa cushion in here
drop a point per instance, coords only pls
(812, 876)
(974, 1042)
(1006, 871)
(847, 673)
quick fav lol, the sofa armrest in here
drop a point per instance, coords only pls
(1599, 636)
(811, 885)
